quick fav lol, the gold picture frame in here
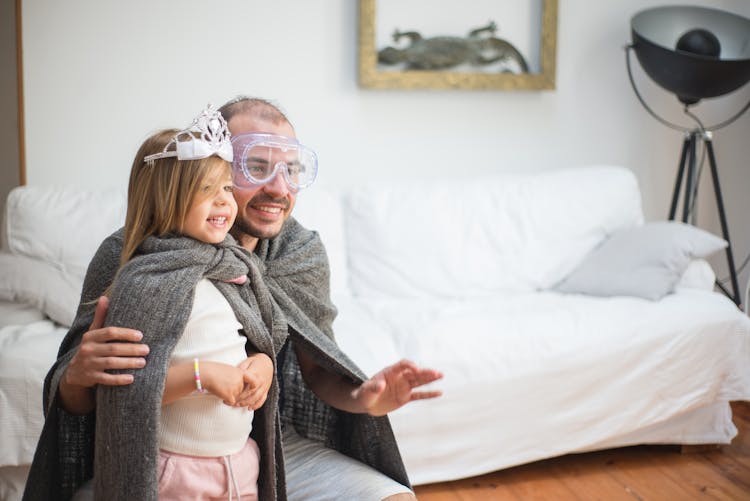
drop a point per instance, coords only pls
(373, 77)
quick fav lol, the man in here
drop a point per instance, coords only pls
(313, 471)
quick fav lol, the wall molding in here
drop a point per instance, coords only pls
(19, 79)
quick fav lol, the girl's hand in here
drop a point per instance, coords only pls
(258, 374)
(222, 380)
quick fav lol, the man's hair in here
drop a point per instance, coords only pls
(253, 106)
(161, 192)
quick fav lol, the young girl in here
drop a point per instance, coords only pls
(182, 283)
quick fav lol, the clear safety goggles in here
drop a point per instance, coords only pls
(258, 158)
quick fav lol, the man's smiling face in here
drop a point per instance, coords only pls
(262, 209)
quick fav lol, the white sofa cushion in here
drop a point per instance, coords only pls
(37, 283)
(508, 232)
(540, 374)
(14, 313)
(697, 275)
(62, 225)
(65, 225)
(26, 354)
(319, 208)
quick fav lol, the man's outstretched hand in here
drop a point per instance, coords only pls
(394, 387)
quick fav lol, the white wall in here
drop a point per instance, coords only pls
(99, 76)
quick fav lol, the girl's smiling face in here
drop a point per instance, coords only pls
(213, 210)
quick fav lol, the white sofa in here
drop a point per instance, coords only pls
(454, 274)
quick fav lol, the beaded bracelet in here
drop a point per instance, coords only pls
(196, 370)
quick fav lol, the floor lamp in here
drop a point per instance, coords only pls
(694, 53)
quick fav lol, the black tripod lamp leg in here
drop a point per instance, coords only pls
(722, 219)
(678, 179)
(687, 200)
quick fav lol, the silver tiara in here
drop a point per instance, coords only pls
(213, 139)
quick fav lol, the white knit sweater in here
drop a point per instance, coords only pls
(200, 424)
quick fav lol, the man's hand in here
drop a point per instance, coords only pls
(384, 392)
(394, 387)
(101, 349)
(258, 376)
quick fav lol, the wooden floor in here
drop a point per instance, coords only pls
(640, 473)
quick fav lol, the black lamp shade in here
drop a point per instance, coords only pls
(692, 75)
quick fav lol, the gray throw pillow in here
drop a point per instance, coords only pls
(646, 261)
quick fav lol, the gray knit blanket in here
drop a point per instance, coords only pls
(286, 300)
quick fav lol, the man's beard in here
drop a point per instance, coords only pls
(241, 225)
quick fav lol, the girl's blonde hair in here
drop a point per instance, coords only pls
(161, 191)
